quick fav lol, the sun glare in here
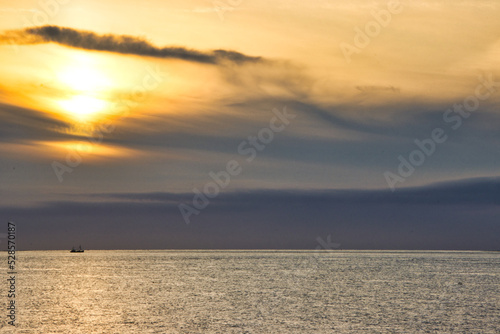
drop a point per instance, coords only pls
(83, 107)
(84, 85)
(84, 79)
(87, 149)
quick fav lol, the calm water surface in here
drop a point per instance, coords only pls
(256, 292)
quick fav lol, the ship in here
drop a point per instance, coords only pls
(79, 250)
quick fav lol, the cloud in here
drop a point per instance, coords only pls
(464, 192)
(372, 89)
(23, 124)
(460, 214)
(120, 44)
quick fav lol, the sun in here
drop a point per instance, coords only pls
(83, 107)
(84, 86)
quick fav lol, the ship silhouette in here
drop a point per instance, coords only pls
(79, 250)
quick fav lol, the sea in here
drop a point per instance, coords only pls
(166, 291)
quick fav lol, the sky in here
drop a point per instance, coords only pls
(240, 124)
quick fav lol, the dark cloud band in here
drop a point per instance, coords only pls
(120, 44)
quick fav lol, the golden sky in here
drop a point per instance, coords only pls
(113, 112)
(423, 57)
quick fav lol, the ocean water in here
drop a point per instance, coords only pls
(255, 292)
